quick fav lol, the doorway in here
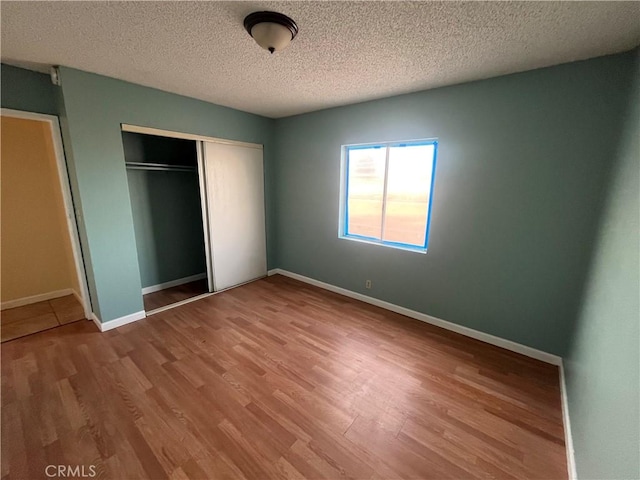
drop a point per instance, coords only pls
(43, 279)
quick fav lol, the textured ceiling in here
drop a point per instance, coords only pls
(346, 52)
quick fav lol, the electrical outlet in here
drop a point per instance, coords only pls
(367, 284)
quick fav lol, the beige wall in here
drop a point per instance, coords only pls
(36, 255)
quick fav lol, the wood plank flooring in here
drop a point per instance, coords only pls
(176, 294)
(277, 379)
(37, 317)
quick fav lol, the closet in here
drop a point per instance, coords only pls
(198, 212)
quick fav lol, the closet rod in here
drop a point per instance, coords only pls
(159, 166)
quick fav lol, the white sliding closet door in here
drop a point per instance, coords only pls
(205, 217)
(235, 198)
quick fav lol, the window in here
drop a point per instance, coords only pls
(386, 193)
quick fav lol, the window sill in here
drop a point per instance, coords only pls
(370, 241)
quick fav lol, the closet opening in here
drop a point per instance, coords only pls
(165, 191)
(198, 211)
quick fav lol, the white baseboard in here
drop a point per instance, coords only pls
(20, 302)
(78, 297)
(468, 332)
(568, 438)
(118, 322)
(173, 283)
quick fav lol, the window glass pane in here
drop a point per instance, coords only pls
(408, 191)
(365, 190)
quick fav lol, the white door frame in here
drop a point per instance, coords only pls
(63, 177)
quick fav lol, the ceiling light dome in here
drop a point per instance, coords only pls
(271, 30)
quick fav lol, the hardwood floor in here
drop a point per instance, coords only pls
(172, 295)
(277, 379)
(37, 317)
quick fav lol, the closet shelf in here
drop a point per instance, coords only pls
(159, 166)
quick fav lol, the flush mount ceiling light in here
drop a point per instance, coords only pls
(271, 30)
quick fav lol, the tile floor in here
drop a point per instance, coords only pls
(21, 321)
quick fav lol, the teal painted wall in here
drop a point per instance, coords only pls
(166, 209)
(603, 365)
(522, 163)
(519, 247)
(167, 221)
(26, 90)
(92, 108)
